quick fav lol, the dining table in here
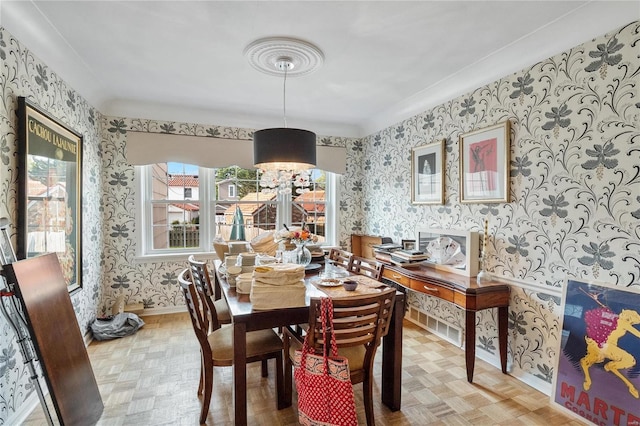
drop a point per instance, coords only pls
(245, 318)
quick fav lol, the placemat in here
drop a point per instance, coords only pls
(366, 285)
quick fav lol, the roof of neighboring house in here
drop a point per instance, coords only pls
(187, 206)
(308, 201)
(190, 181)
(249, 209)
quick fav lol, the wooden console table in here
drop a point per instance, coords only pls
(464, 292)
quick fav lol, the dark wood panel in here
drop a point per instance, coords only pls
(54, 329)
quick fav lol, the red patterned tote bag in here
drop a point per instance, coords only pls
(325, 392)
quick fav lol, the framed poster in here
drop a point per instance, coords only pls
(484, 165)
(598, 374)
(50, 191)
(427, 174)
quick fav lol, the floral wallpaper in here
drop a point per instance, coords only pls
(155, 284)
(574, 210)
(22, 74)
(575, 187)
(108, 203)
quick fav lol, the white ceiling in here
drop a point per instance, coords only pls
(384, 60)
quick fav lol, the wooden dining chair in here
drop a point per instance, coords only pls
(364, 266)
(359, 322)
(216, 347)
(200, 275)
(339, 257)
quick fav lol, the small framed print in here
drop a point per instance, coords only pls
(484, 165)
(408, 244)
(427, 176)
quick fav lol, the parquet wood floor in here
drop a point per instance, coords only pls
(151, 378)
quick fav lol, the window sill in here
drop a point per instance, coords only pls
(173, 257)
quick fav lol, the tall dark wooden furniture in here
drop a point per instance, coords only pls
(56, 336)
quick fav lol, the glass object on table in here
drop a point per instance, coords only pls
(299, 255)
(483, 277)
(333, 271)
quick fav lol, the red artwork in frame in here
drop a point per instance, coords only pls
(484, 161)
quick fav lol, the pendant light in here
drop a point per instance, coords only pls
(284, 155)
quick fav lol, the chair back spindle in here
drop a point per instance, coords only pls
(194, 307)
(359, 324)
(202, 280)
(364, 266)
(340, 258)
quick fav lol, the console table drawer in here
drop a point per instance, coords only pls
(396, 277)
(432, 290)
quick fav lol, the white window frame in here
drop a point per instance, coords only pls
(207, 202)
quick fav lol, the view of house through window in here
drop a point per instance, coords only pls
(175, 206)
(188, 206)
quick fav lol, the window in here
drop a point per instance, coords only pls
(182, 207)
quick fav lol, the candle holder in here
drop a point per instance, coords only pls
(484, 276)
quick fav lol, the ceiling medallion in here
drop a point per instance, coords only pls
(265, 55)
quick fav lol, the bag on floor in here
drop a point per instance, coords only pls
(120, 325)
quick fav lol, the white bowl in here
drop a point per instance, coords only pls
(234, 270)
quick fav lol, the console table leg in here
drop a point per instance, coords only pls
(470, 343)
(503, 319)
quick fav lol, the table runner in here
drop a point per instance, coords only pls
(366, 285)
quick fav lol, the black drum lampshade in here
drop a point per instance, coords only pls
(284, 149)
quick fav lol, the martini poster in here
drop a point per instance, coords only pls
(598, 371)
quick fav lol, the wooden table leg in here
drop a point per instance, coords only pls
(392, 358)
(240, 373)
(470, 343)
(503, 325)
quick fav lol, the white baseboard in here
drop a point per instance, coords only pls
(33, 402)
(527, 378)
(164, 310)
(87, 338)
(443, 330)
